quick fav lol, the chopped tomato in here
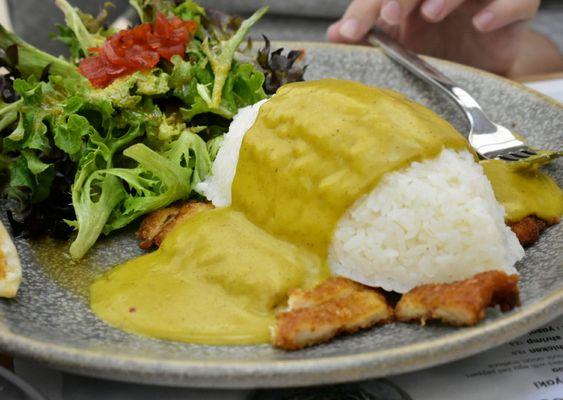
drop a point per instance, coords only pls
(137, 49)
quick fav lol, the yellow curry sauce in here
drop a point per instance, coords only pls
(315, 148)
(524, 191)
(215, 279)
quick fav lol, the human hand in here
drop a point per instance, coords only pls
(487, 34)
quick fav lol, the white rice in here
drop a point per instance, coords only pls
(217, 186)
(434, 221)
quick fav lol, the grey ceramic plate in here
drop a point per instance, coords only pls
(50, 320)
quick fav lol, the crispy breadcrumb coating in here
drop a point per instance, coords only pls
(529, 229)
(159, 223)
(334, 307)
(461, 303)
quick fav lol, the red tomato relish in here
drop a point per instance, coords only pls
(137, 49)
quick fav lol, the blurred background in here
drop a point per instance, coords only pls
(287, 20)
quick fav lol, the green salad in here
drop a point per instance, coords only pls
(76, 156)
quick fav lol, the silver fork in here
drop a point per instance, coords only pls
(490, 140)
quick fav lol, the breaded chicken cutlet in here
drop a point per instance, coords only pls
(339, 306)
(529, 229)
(334, 307)
(159, 223)
(461, 303)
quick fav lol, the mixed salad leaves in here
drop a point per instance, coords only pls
(91, 157)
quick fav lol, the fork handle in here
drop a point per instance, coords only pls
(477, 118)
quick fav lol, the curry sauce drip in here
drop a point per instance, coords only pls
(318, 146)
(524, 190)
(216, 279)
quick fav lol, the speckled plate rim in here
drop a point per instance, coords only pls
(473, 70)
(285, 373)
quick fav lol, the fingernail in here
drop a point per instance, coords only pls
(391, 12)
(433, 8)
(350, 29)
(484, 20)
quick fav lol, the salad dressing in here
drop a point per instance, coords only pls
(219, 277)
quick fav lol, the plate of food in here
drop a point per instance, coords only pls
(189, 209)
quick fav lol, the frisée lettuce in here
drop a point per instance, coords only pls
(75, 157)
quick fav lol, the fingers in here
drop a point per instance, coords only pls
(361, 15)
(395, 11)
(437, 10)
(501, 13)
(356, 22)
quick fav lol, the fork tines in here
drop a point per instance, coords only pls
(517, 154)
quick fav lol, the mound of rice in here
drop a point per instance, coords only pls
(434, 221)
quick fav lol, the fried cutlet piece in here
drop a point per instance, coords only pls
(460, 303)
(529, 229)
(159, 223)
(152, 225)
(334, 307)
